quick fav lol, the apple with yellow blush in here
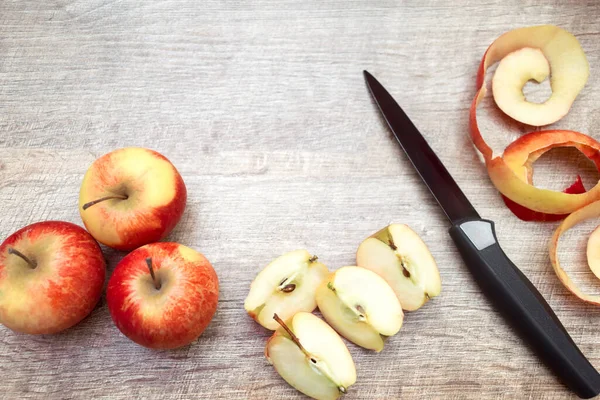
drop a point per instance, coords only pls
(163, 295)
(131, 197)
(51, 277)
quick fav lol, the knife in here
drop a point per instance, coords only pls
(504, 284)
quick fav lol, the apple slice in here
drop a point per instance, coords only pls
(284, 287)
(311, 357)
(398, 255)
(361, 306)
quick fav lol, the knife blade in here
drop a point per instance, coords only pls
(451, 199)
(504, 284)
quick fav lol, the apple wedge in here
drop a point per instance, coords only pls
(311, 357)
(361, 306)
(284, 287)
(398, 255)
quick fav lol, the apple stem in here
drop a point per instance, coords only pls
(91, 203)
(23, 256)
(313, 259)
(294, 337)
(156, 282)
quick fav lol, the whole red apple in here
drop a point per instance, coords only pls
(51, 277)
(131, 197)
(163, 295)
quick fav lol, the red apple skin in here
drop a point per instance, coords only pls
(64, 287)
(144, 217)
(174, 315)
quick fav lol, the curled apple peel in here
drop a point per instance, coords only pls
(524, 54)
(513, 173)
(593, 250)
(525, 214)
(533, 53)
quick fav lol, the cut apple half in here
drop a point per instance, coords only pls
(284, 287)
(311, 357)
(403, 260)
(593, 252)
(520, 54)
(361, 306)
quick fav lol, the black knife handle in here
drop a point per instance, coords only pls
(524, 307)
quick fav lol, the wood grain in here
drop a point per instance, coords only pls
(262, 107)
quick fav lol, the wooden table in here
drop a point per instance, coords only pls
(262, 107)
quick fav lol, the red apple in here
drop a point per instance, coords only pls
(163, 295)
(131, 197)
(51, 277)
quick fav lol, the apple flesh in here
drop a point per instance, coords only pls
(593, 252)
(399, 255)
(311, 357)
(284, 287)
(163, 295)
(131, 197)
(51, 277)
(361, 306)
(531, 53)
(513, 72)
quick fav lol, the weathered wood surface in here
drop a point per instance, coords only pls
(262, 107)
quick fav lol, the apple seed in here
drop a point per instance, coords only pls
(405, 271)
(289, 288)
